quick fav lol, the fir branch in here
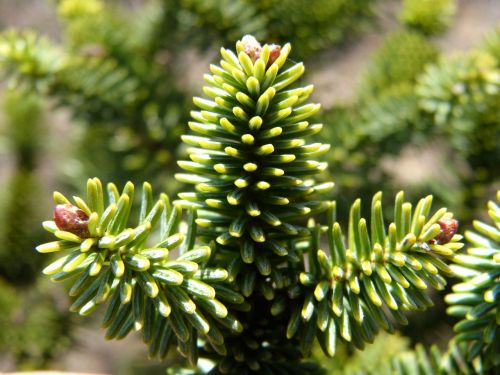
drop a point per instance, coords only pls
(428, 17)
(93, 84)
(223, 20)
(29, 58)
(314, 25)
(169, 300)
(250, 164)
(400, 59)
(433, 361)
(102, 79)
(476, 298)
(373, 275)
(461, 88)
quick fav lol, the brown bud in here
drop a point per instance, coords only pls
(251, 47)
(448, 229)
(274, 53)
(71, 219)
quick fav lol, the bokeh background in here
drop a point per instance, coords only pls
(410, 101)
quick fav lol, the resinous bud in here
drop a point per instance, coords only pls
(71, 219)
(448, 229)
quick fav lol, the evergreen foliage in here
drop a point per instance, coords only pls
(313, 25)
(223, 21)
(347, 289)
(374, 357)
(34, 326)
(474, 349)
(243, 282)
(18, 266)
(170, 301)
(251, 288)
(400, 59)
(463, 87)
(462, 93)
(396, 113)
(433, 361)
(33, 330)
(428, 16)
(390, 122)
(251, 158)
(117, 72)
(475, 299)
(28, 57)
(492, 44)
(104, 80)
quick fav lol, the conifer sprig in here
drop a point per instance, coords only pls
(250, 164)
(476, 299)
(107, 261)
(373, 274)
(29, 58)
(474, 349)
(433, 361)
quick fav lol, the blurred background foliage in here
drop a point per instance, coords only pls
(108, 94)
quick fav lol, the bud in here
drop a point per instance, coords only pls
(274, 53)
(448, 229)
(251, 47)
(71, 219)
